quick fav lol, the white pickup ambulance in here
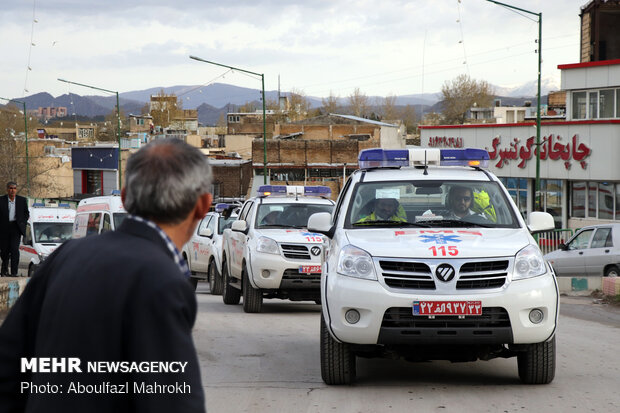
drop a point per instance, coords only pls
(98, 214)
(269, 253)
(203, 252)
(47, 228)
(428, 258)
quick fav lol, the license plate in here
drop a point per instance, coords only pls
(447, 307)
(309, 269)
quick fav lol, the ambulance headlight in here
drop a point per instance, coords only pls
(355, 262)
(43, 257)
(267, 245)
(529, 263)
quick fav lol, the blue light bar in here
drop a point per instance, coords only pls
(221, 207)
(115, 192)
(276, 190)
(317, 191)
(383, 158)
(294, 190)
(64, 205)
(464, 157)
(38, 204)
(394, 158)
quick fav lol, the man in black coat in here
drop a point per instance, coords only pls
(117, 306)
(13, 219)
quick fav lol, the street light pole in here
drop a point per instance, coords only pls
(538, 143)
(26, 136)
(262, 77)
(118, 120)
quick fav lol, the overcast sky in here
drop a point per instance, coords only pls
(386, 47)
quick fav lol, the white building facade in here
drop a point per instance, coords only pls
(579, 157)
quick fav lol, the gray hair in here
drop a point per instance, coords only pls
(164, 180)
(10, 183)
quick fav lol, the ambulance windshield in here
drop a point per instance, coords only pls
(430, 204)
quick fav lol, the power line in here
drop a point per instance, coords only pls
(32, 44)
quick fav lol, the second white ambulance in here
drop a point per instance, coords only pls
(269, 253)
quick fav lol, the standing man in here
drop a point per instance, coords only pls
(13, 219)
(120, 298)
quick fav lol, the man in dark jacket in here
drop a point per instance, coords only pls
(115, 311)
(13, 219)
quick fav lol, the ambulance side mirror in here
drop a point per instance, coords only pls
(206, 232)
(321, 223)
(239, 226)
(540, 222)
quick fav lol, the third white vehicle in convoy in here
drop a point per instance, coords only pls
(47, 228)
(430, 259)
(203, 252)
(98, 214)
(269, 253)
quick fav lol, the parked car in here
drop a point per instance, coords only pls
(593, 250)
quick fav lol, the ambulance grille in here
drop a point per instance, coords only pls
(485, 274)
(295, 252)
(407, 274)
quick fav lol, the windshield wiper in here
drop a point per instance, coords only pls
(281, 226)
(380, 222)
(456, 223)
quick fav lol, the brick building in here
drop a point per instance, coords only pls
(231, 179)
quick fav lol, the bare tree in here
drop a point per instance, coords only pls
(409, 118)
(389, 108)
(358, 102)
(165, 108)
(299, 105)
(330, 103)
(462, 93)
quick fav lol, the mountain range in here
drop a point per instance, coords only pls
(218, 98)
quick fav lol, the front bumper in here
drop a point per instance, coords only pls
(273, 272)
(508, 309)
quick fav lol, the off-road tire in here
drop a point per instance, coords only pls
(537, 363)
(337, 359)
(215, 281)
(252, 297)
(230, 295)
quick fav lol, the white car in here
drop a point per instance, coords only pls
(203, 252)
(269, 253)
(453, 273)
(47, 228)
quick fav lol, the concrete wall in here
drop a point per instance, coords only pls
(10, 290)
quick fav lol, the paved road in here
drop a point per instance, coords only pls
(269, 362)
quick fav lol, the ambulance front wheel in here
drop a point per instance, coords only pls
(31, 269)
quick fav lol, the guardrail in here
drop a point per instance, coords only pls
(550, 240)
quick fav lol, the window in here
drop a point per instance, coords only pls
(606, 103)
(234, 118)
(579, 105)
(593, 105)
(592, 199)
(618, 103)
(551, 192)
(605, 200)
(517, 188)
(581, 240)
(92, 182)
(602, 238)
(618, 201)
(578, 199)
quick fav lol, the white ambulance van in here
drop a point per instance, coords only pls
(428, 258)
(47, 228)
(98, 214)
